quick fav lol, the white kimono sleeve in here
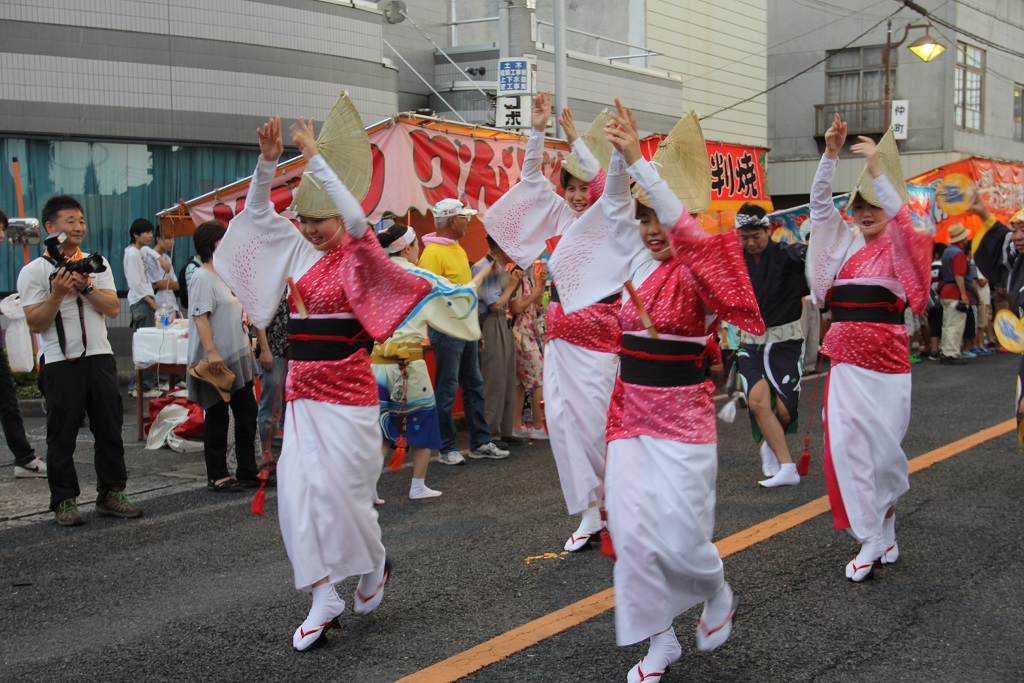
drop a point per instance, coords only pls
(260, 249)
(830, 238)
(594, 256)
(531, 212)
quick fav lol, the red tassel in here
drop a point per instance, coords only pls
(607, 549)
(257, 502)
(399, 457)
(804, 465)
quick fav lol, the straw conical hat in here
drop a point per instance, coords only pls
(682, 158)
(889, 160)
(344, 145)
(597, 143)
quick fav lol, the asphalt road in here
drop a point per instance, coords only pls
(200, 589)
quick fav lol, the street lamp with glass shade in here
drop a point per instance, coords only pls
(925, 48)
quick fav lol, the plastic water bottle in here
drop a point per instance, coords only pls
(164, 316)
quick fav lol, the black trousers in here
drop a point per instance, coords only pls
(10, 416)
(74, 390)
(215, 436)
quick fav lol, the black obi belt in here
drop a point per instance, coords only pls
(866, 304)
(662, 362)
(553, 296)
(326, 338)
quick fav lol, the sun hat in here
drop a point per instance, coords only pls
(344, 145)
(889, 160)
(222, 382)
(682, 158)
(446, 208)
(957, 233)
(598, 144)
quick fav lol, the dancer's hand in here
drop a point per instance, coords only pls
(835, 137)
(271, 145)
(869, 150)
(541, 110)
(621, 131)
(568, 125)
(302, 136)
(978, 207)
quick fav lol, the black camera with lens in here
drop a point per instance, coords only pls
(93, 263)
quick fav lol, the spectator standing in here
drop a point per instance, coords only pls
(160, 272)
(498, 355)
(26, 464)
(457, 361)
(273, 345)
(529, 360)
(79, 374)
(955, 296)
(215, 334)
(141, 297)
(935, 302)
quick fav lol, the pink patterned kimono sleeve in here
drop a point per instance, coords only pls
(381, 293)
(911, 250)
(717, 265)
(831, 237)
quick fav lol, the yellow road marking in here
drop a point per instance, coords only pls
(506, 644)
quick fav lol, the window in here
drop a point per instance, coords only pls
(1018, 111)
(970, 67)
(855, 87)
(474, 22)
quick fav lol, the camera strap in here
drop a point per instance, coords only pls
(62, 339)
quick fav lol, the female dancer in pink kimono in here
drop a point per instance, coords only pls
(869, 278)
(662, 443)
(347, 293)
(580, 354)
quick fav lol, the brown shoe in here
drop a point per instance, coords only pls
(116, 504)
(67, 513)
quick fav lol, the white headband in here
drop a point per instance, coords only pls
(402, 242)
(745, 219)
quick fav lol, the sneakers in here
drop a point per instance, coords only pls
(968, 355)
(523, 432)
(450, 458)
(952, 360)
(116, 504)
(148, 393)
(538, 435)
(67, 513)
(34, 469)
(488, 450)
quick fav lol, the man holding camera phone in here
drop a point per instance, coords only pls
(65, 295)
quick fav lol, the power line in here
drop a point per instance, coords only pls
(802, 72)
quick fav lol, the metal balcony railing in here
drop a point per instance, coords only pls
(865, 117)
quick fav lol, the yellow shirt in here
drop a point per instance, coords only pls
(448, 261)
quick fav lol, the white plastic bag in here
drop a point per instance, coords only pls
(17, 336)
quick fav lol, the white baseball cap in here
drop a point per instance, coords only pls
(447, 208)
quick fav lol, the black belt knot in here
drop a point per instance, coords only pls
(866, 304)
(312, 339)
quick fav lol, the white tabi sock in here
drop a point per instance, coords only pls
(327, 607)
(715, 624)
(664, 650)
(590, 524)
(889, 530)
(786, 476)
(418, 490)
(370, 589)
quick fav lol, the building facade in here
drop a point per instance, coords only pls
(967, 102)
(132, 105)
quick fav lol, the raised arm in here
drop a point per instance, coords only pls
(830, 236)
(271, 147)
(588, 162)
(348, 205)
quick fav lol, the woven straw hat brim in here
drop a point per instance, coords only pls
(597, 143)
(889, 160)
(958, 233)
(344, 145)
(682, 160)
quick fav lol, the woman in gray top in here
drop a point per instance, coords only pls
(215, 334)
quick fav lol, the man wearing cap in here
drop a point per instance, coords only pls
(770, 365)
(955, 296)
(457, 362)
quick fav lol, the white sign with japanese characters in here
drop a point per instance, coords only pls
(509, 113)
(899, 118)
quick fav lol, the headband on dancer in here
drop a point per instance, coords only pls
(744, 220)
(402, 242)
